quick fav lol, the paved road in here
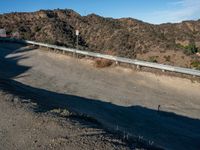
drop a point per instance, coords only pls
(119, 98)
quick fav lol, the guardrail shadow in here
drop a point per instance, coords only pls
(169, 130)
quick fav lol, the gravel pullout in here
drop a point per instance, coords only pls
(118, 98)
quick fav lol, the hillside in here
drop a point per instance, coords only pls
(174, 44)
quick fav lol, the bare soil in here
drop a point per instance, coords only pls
(120, 99)
(23, 129)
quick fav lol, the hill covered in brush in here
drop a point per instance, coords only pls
(175, 44)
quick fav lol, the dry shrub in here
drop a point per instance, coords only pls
(110, 52)
(102, 63)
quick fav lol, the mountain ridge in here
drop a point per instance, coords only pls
(169, 43)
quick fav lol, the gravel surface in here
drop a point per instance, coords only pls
(23, 129)
(120, 99)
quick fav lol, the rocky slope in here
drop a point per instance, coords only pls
(175, 44)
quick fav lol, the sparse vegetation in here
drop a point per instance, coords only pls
(179, 46)
(36, 28)
(102, 63)
(195, 65)
(110, 52)
(122, 37)
(50, 41)
(153, 59)
(191, 49)
(167, 58)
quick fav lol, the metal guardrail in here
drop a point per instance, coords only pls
(113, 58)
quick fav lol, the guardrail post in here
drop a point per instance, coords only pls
(73, 54)
(138, 66)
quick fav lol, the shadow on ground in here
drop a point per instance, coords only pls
(166, 129)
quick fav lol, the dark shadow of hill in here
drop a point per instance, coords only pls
(8, 65)
(167, 129)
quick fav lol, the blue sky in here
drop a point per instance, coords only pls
(152, 11)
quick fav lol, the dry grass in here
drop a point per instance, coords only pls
(110, 52)
(102, 63)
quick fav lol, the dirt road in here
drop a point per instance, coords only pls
(119, 98)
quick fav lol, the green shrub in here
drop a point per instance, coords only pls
(180, 46)
(153, 59)
(196, 65)
(191, 49)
